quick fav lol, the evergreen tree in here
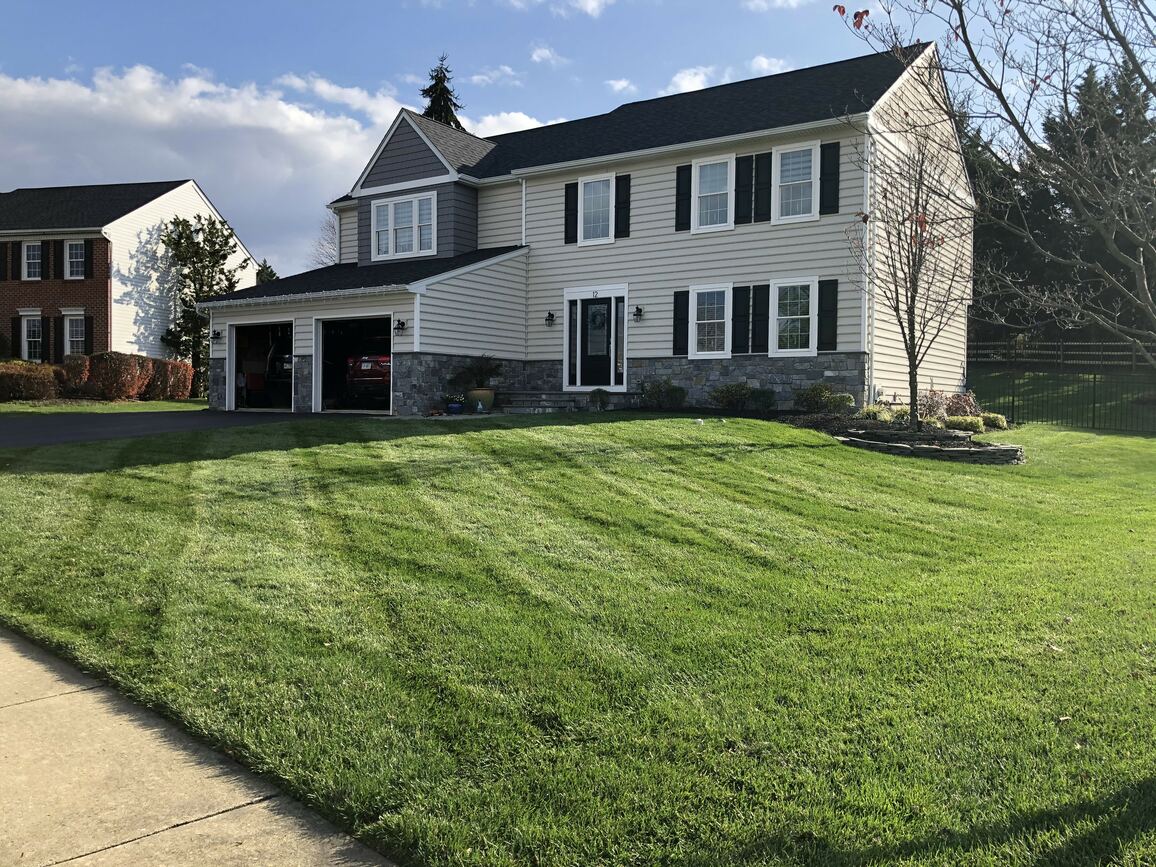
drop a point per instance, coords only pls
(198, 252)
(265, 272)
(441, 101)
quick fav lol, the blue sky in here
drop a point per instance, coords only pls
(275, 106)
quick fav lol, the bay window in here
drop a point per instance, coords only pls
(712, 200)
(404, 227)
(795, 313)
(796, 188)
(710, 316)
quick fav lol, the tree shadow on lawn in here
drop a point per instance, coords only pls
(1109, 826)
(225, 443)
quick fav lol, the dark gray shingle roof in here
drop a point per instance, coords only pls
(81, 207)
(460, 149)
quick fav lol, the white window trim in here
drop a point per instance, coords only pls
(24, 260)
(774, 350)
(376, 203)
(25, 318)
(67, 261)
(695, 229)
(582, 182)
(578, 293)
(692, 320)
(777, 174)
(67, 318)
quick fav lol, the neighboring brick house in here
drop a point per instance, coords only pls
(81, 269)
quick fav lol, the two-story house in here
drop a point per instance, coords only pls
(701, 237)
(82, 271)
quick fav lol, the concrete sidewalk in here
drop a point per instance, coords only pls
(87, 778)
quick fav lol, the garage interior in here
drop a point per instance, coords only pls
(263, 376)
(356, 364)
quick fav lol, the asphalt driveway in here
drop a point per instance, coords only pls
(44, 429)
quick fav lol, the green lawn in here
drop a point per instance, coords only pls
(626, 640)
(27, 407)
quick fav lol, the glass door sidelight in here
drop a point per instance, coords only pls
(595, 338)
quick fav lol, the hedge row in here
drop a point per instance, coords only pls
(105, 376)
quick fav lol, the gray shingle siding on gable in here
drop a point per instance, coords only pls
(405, 158)
(457, 219)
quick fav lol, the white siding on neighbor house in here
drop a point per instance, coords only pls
(142, 304)
(655, 261)
(481, 313)
(912, 116)
(500, 215)
(303, 314)
(347, 234)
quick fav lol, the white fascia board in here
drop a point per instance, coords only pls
(342, 206)
(421, 286)
(302, 296)
(402, 186)
(686, 146)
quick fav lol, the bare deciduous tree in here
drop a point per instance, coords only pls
(325, 249)
(1018, 68)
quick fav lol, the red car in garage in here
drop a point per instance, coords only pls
(368, 375)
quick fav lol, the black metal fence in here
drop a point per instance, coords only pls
(1083, 354)
(1101, 400)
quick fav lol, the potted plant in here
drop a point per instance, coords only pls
(474, 377)
(455, 402)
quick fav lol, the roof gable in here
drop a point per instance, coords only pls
(80, 207)
(404, 155)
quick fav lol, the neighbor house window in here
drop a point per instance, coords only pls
(405, 227)
(710, 314)
(32, 262)
(596, 210)
(795, 317)
(712, 206)
(74, 255)
(74, 335)
(33, 338)
(796, 190)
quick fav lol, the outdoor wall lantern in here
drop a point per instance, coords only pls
(550, 317)
(216, 336)
(399, 327)
(637, 314)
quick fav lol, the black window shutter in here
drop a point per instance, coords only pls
(829, 178)
(59, 342)
(45, 252)
(741, 320)
(572, 213)
(763, 165)
(88, 257)
(17, 252)
(682, 199)
(3, 261)
(58, 260)
(681, 322)
(46, 340)
(17, 337)
(828, 315)
(744, 188)
(88, 335)
(622, 206)
(760, 318)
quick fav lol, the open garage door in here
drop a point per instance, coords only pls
(263, 366)
(356, 364)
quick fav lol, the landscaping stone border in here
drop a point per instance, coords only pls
(953, 446)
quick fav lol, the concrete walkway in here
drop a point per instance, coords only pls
(87, 778)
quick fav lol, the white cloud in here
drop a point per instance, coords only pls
(621, 85)
(565, 8)
(546, 54)
(760, 64)
(381, 107)
(593, 8)
(692, 78)
(496, 75)
(503, 122)
(768, 5)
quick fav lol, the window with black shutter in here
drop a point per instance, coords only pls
(679, 345)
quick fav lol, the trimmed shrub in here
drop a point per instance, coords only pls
(20, 380)
(994, 420)
(73, 375)
(733, 396)
(971, 423)
(842, 403)
(821, 398)
(118, 376)
(901, 413)
(5, 346)
(932, 405)
(876, 412)
(962, 404)
(662, 394)
(761, 402)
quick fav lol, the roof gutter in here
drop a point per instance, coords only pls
(5, 233)
(301, 296)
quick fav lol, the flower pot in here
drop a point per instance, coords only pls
(454, 408)
(483, 396)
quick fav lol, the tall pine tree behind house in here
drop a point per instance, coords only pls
(441, 101)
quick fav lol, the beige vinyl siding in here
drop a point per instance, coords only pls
(347, 234)
(500, 215)
(655, 260)
(141, 309)
(303, 314)
(479, 313)
(915, 105)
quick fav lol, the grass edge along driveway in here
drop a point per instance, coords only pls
(625, 640)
